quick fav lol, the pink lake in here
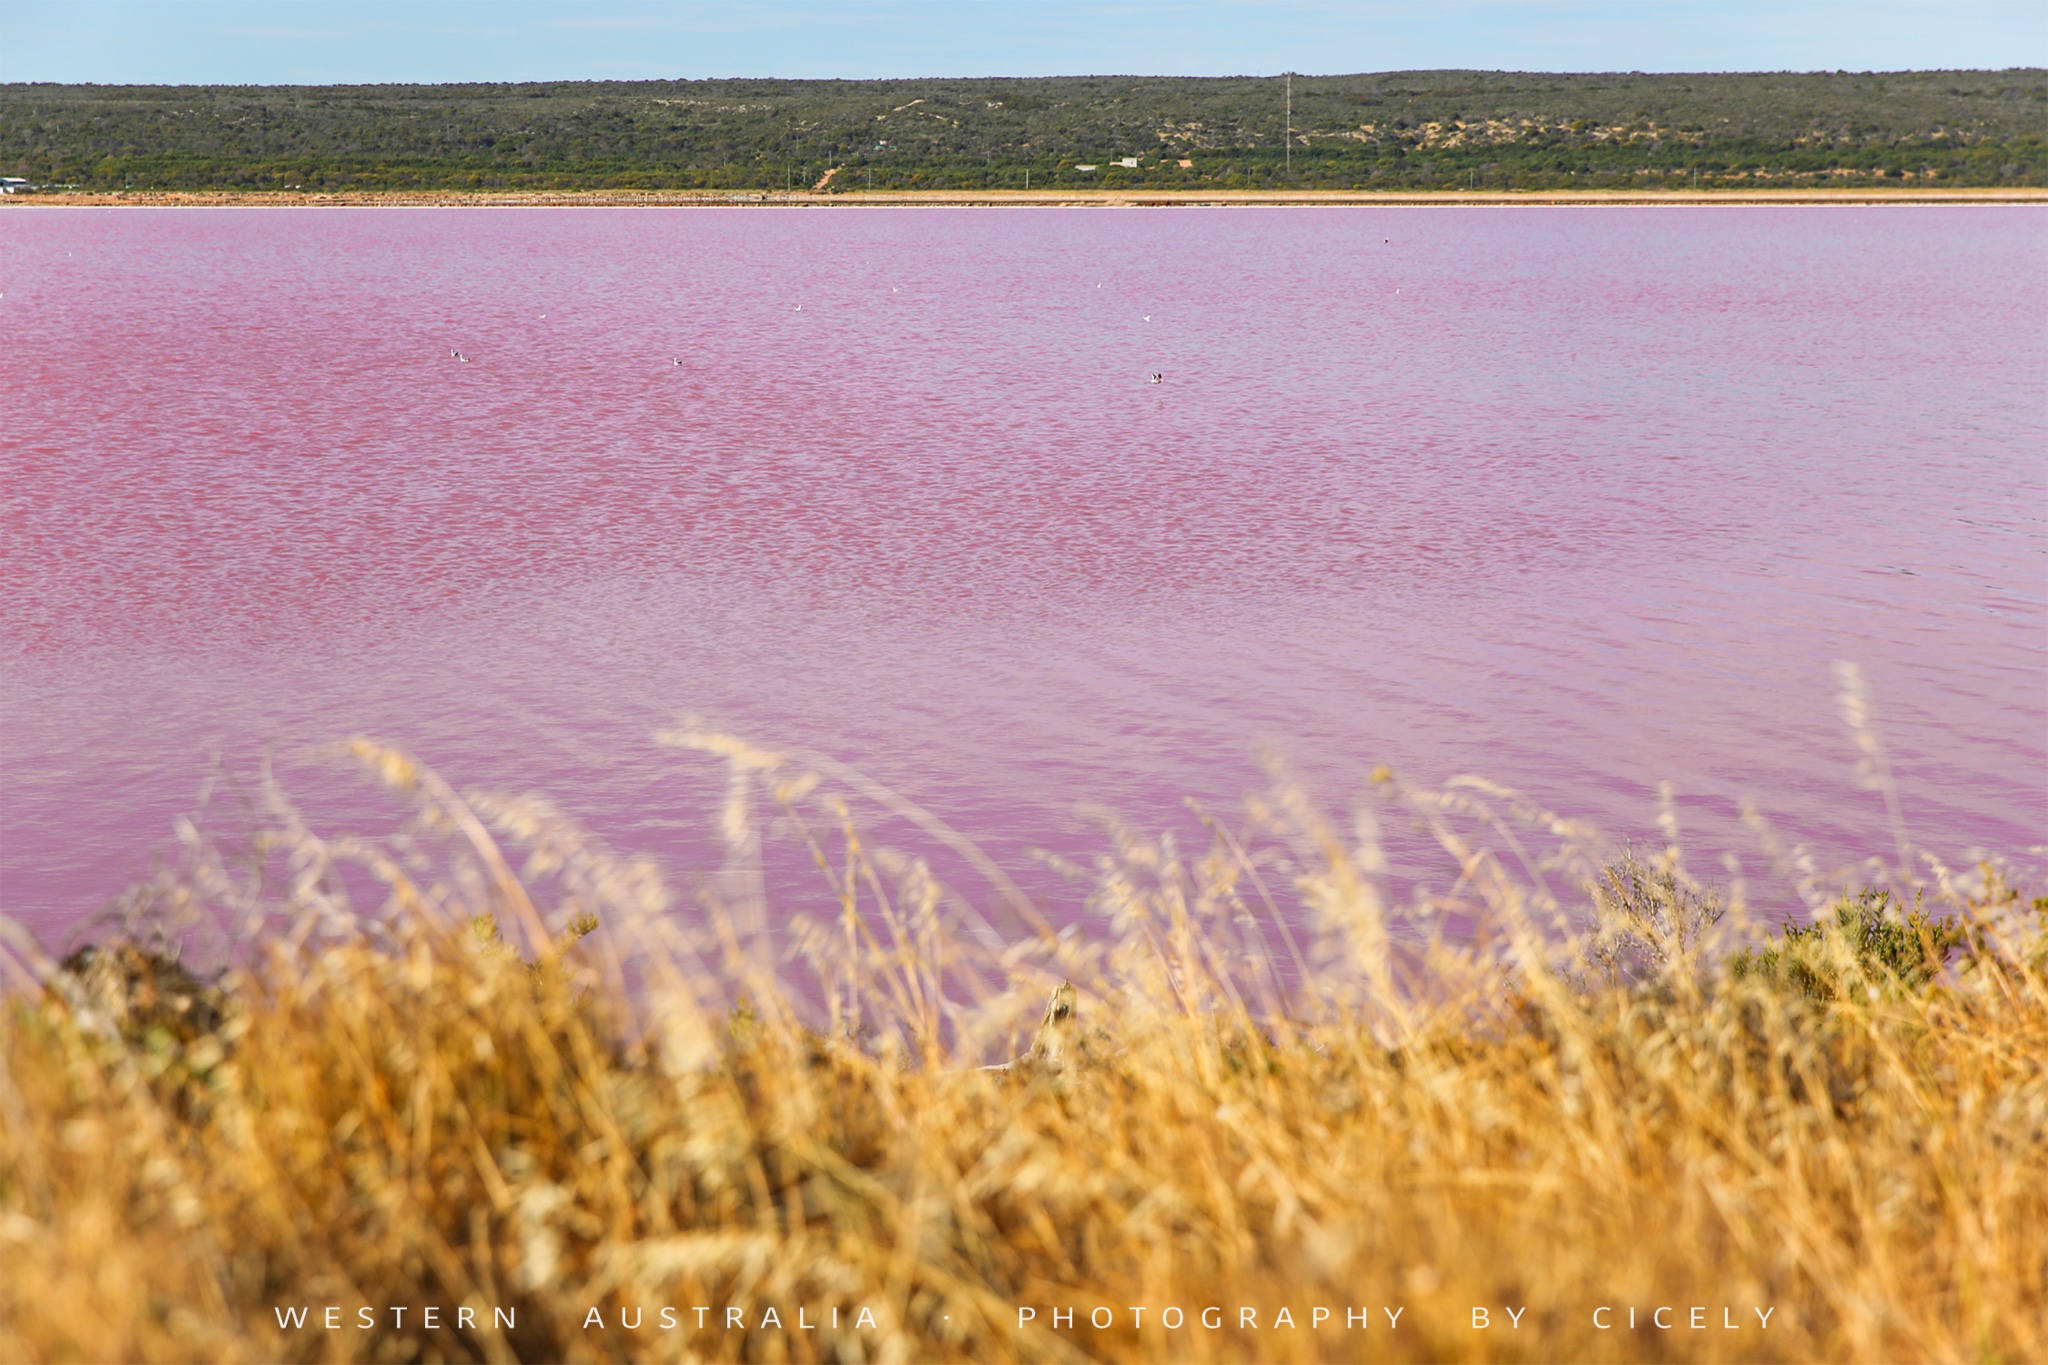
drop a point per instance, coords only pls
(1579, 499)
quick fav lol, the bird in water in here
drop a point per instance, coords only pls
(679, 362)
(1158, 379)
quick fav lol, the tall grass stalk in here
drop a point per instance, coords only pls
(489, 1064)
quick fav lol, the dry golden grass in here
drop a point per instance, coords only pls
(410, 1108)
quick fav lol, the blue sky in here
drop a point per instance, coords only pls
(270, 41)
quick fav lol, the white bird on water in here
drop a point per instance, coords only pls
(1157, 379)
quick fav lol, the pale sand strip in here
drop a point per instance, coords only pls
(999, 198)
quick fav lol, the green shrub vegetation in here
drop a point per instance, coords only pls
(1406, 130)
(1868, 940)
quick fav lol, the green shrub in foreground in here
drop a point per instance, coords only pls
(1870, 940)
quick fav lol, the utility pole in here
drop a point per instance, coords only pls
(1290, 126)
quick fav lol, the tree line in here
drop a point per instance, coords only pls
(1398, 130)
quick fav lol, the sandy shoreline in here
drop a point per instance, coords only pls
(1005, 198)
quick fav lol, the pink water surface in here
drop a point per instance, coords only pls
(1580, 499)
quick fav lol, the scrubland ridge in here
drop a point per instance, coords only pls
(1401, 131)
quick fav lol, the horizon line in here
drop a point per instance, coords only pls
(1070, 76)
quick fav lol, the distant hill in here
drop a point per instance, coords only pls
(1399, 130)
